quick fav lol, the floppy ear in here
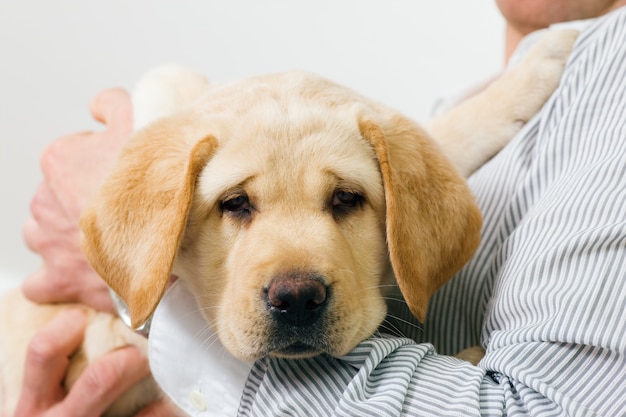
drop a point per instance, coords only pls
(133, 226)
(433, 224)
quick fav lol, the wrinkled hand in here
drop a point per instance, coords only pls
(95, 390)
(73, 168)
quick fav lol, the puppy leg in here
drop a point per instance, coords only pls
(106, 333)
(165, 90)
(479, 127)
(472, 354)
(21, 319)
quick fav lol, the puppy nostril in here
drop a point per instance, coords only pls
(296, 299)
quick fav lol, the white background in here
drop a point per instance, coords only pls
(56, 54)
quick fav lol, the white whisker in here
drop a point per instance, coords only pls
(404, 321)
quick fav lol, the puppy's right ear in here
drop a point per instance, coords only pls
(133, 226)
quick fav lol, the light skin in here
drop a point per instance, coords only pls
(73, 167)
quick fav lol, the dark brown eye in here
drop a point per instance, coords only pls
(237, 205)
(346, 201)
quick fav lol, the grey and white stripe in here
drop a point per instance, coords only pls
(546, 292)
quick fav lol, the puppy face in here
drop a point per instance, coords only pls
(281, 202)
(285, 242)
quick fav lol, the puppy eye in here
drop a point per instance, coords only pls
(346, 201)
(238, 205)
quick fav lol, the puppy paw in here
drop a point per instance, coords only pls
(553, 48)
(164, 90)
(472, 354)
(104, 334)
(483, 124)
(538, 75)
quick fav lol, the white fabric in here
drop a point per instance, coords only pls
(548, 253)
(545, 292)
(189, 362)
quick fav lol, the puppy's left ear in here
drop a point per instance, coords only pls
(134, 224)
(433, 224)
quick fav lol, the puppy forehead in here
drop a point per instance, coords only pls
(286, 148)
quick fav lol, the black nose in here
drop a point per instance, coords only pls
(297, 299)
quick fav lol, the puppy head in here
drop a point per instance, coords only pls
(278, 202)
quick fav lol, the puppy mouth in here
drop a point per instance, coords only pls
(297, 350)
(299, 343)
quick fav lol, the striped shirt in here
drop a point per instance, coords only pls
(545, 293)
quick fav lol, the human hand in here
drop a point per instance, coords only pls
(96, 389)
(73, 168)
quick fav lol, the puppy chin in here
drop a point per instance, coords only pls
(297, 351)
(287, 346)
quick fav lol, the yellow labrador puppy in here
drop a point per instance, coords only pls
(287, 204)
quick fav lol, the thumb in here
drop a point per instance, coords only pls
(114, 108)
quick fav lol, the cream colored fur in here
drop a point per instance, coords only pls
(294, 145)
(20, 321)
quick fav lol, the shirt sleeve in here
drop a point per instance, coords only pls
(545, 293)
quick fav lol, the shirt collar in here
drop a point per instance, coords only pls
(188, 361)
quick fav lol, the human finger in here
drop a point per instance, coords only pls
(45, 205)
(42, 286)
(47, 360)
(52, 284)
(31, 232)
(50, 232)
(75, 166)
(113, 107)
(104, 381)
